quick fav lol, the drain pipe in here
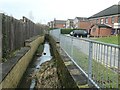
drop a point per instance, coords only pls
(46, 56)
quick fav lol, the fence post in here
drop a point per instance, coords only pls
(72, 47)
(90, 61)
(0, 37)
(118, 67)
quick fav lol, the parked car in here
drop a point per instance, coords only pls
(79, 33)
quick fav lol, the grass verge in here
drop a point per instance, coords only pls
(101, 74)
(111, 39)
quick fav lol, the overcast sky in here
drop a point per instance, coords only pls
(44, 11)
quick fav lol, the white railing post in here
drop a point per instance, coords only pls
(1, 37)
(118, 67)
(72, 47)
(90, 62)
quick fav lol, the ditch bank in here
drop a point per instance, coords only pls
(69, 74)
(59, 72)
(42, 71)
(14, 68)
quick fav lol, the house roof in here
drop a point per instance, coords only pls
(70, 20)
(81, 18)
(103, 25)
(113, 10)
(60, 21)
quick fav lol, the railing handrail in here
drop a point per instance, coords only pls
(94, 41)
(97, 55)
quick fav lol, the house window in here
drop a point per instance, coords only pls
(101, 21)
(106, 20)
(112, 19)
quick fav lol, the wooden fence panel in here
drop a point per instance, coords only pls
(14, 33)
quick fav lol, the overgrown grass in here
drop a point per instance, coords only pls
(10, 55)
(102, 75)
(111, 39)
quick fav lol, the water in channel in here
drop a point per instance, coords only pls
(27, 80)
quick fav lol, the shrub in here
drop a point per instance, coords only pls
(67, 31)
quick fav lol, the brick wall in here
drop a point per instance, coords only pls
(95, 31)
(110, 20)
(93, 21)
(105, 31)
(84, 24)
(13, 76)
(59, 25)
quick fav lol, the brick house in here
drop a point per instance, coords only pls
(59, 24)
(109, 17)
(101, 30)
(81, 22)
(85, 24)
(69, 23)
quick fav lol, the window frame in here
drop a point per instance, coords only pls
(101, 21)
(112, 19)
(97, 21)
(106, 20)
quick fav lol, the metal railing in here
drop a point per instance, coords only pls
(0, 37)
(100, 62)
(97, 60)
(56, 34)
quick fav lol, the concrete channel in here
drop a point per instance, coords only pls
(34, 67)
(66, 74)
(46, 56)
